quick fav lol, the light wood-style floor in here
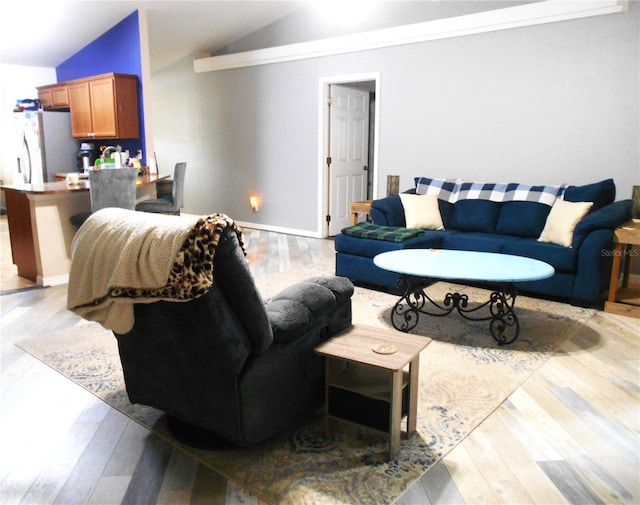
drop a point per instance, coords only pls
(569, 434)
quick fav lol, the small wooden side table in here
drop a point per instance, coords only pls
(624, 300)
(356, 208)
(359, 361)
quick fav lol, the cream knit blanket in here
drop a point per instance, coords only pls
(121, 257)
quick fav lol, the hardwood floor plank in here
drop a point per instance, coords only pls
(81, 483)
(546, 425)
(601, 480)
(626, 475)
(305, 256)
(32, 442)
(523, 428)
(18, 377)
(272, 254)
(570, 420)
(284, 259)
(171, 497)
(615, 435)
(495, 470)
(180, 474)
(470, 482)
(209, 488)
(128, 452)
(522, 465)
(416, 494)
(436, 487)
(95, 411)
(569, 483)
(48, 484)
(148, 476)
(110, 489)
(605, 397)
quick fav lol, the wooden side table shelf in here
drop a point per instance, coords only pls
(624, 300)
(358, 362)
(359, 208)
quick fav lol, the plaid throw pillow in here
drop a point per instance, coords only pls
(445, 189)
(381, 232)
(453, 191)
(511, 192)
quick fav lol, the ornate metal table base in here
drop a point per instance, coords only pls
(503, 325)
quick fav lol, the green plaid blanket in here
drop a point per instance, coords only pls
(381, 232)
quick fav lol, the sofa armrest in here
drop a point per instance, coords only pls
(388, 211)
(608, 217)
(316, 302)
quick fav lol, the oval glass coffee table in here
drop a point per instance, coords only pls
(500, 271)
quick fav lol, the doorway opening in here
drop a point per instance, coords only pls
(348, 147)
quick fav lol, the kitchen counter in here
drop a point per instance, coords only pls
(39, 227)
(58, 187)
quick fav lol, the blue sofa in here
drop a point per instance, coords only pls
(503, 218)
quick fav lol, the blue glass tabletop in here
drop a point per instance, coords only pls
(463, 265)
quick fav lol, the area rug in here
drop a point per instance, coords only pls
(464, 377)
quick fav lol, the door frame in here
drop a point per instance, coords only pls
(323, 140)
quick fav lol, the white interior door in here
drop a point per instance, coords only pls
(348, 152)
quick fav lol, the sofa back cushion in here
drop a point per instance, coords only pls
(388, 211)
(522, 219)
(600, 193)
(474, 215)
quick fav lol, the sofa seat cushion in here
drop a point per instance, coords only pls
(378, 232)
(563, 259)
(369, 247)
(475, 241)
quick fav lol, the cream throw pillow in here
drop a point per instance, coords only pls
(562, 220)
(421, 211)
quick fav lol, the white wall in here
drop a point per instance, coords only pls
(546, 104)
(16, 82)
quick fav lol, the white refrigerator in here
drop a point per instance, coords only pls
(43, 146)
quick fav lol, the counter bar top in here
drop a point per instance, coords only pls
(51, 188)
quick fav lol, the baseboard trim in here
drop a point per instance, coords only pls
(55, 280)
(279, 229)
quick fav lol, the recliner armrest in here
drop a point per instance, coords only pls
(308, 304)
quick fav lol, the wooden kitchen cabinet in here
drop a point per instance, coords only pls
(54, 96)
(104, 106)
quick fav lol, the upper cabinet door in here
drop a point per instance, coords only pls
(53, 97)
(103, 103)
(80, 108)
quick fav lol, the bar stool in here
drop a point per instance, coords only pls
(166, 205)
(110, 188)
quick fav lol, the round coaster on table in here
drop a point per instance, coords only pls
(385, 348)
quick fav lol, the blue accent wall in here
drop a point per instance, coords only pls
(118, 51)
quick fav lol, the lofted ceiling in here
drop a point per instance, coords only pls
(46, 33)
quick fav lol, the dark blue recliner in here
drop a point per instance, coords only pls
(230, 364)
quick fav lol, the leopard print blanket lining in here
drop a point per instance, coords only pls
(192, 271)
